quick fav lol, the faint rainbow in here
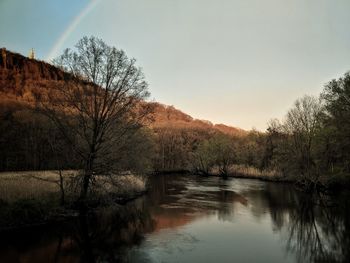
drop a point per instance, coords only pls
(63, 37)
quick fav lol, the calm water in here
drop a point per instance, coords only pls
(193, 219)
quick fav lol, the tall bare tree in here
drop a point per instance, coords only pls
(100, 102)
(302, 124)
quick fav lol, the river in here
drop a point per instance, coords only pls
(197, 219)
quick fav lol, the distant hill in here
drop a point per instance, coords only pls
(165, 116)
(21, 77)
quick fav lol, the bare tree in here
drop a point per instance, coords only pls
(203, 160)
(301, 124)
(218, 151)
(100, 101)
(224, 152)
(52, 141)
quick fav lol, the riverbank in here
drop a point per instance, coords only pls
(326, 182)
(35, 197)
(328, 185)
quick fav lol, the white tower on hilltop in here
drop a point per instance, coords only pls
(31, 54)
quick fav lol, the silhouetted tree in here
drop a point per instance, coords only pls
(336, 96)
(302, 124)
(98, 105)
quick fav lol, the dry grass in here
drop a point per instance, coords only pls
(252, 172)
(16, 186)
(28, 185)
(121, 184)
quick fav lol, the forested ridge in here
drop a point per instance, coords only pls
(25, 134)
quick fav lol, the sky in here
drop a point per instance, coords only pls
(237, 62)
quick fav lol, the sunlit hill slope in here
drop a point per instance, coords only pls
(21, 77)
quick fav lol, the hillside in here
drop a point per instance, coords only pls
(165, 115)
(21, 77)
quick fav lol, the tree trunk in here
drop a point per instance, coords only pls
(86, 179)
(61, 186)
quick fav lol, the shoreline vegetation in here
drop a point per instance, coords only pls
(29, 198)
(326, 183)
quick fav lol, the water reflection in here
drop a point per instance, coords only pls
(183, 218)
(101, 236)
(318, 233)
(315, 228)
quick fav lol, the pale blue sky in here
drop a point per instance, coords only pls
(234, 62)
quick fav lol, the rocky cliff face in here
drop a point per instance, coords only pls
(30, 69)
(21, 76)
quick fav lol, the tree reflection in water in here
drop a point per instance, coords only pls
(314, 228)
(318, 233)
(105, 236)
(99, 236)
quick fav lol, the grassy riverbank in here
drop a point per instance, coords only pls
(329, 182)
(243, 171)
(35, 197)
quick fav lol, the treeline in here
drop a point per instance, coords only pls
(31, 141)
(312, 142)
